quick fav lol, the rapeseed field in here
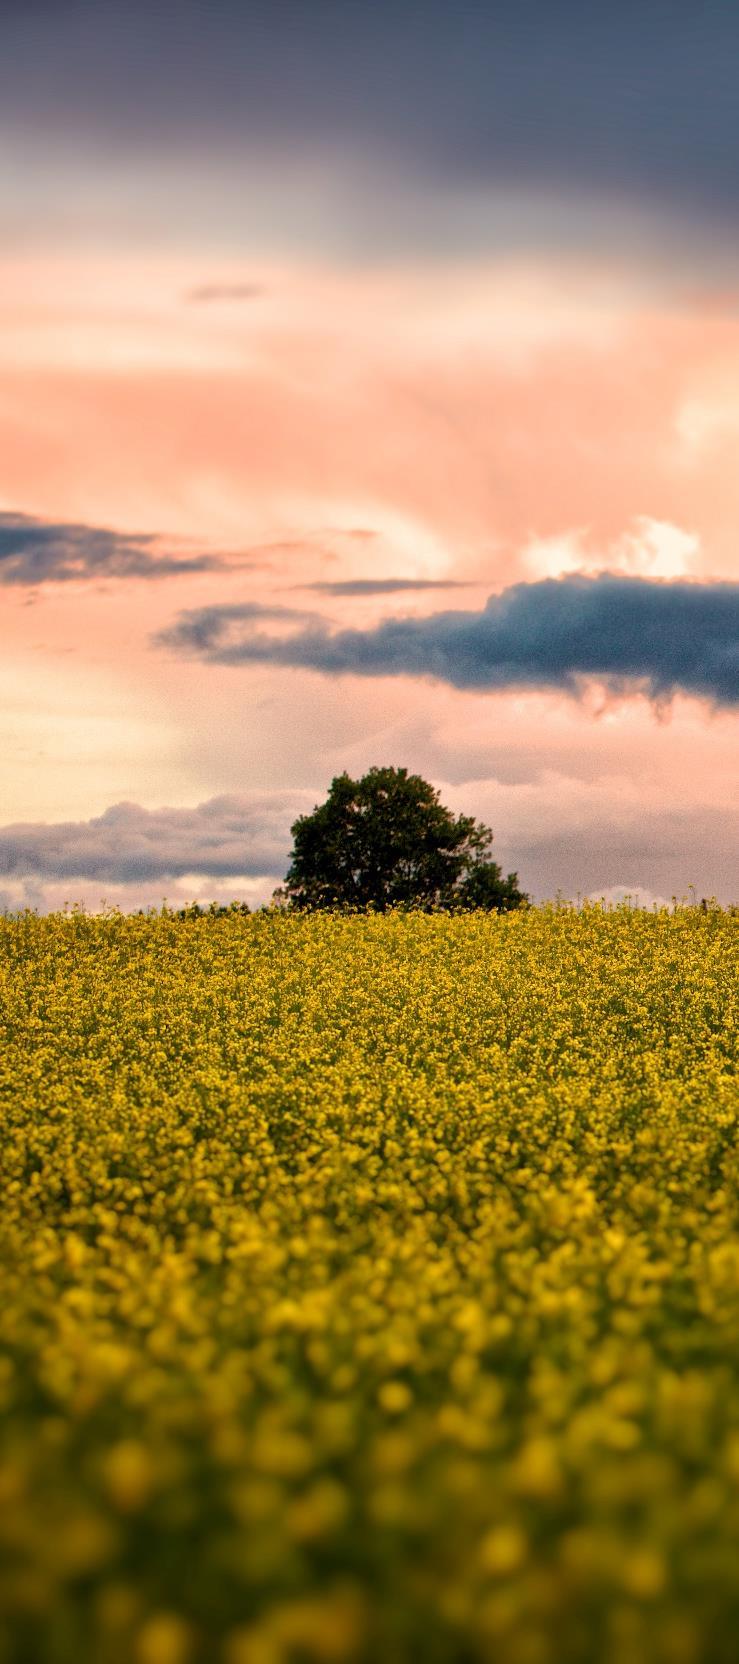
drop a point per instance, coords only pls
(370, 1289)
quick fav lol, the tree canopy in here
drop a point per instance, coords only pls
(386, 840)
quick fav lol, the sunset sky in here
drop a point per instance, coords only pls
(369, 393)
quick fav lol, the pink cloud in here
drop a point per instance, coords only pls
(440, 407)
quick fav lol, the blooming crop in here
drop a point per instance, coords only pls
(369, 1289)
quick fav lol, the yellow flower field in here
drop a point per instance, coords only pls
(369, 1289)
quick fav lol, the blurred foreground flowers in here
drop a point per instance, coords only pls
(370, 1289)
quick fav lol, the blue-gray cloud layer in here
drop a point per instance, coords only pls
(640, 99)
(623, 632)
(41, 551)
(225, 837)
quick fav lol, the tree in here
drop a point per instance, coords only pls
(387, 841)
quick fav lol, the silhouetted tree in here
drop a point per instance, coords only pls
(387, 841)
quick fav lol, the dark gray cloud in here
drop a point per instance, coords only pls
(42, 551)
(380, 586)
(223, 838)
(626, 633)
(639, 99)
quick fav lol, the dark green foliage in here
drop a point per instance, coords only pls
(387, 841)
(485, 887)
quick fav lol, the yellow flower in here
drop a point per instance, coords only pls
(503, 1550)
(164, 1639)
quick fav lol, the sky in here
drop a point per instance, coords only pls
(369, 394)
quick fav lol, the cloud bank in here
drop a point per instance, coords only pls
(236, 836)
(606, 837)
(628, 634)
(40, 552)
(640, 100)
